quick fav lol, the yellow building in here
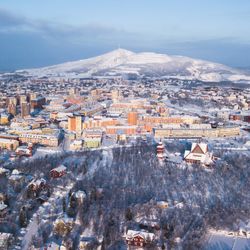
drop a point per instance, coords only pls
(92, 142)
(194, 133)
(4, 119)
(8, 144)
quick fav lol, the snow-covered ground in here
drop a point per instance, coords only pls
(224, 240)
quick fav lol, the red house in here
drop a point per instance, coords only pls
(58, 172)
(139, 238)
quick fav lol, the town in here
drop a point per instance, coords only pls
(83, 161)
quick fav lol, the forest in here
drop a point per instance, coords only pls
(123, 186)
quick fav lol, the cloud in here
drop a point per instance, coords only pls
(26, 43)
(10, 23)
(9, 20)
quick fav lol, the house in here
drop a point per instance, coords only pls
(139, 238)
(87, 243)
(198, 154)
(92, 142)
(162, 204)
(37, 185)
(63, 226)
(6, 240)
(58, 172)
(3, 210)
(24, 151)
(80, 196)
(16, 179)
(4, 171)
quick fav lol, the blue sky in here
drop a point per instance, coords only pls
(38, 33)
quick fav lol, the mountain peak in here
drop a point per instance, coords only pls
(121, 52)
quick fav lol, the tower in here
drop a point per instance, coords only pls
(132, 118)
(75, 123)
(160, 151)
(12, 109)
(25, 109)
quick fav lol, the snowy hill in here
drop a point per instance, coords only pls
(122, 62)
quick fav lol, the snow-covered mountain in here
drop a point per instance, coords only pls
(126, 63)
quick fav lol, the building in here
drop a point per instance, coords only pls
(12, 100)
(9, 144)
(58, 172)
(37, 185)
(198, 154)
(38, 137)
(6, 240)
(12, 109)
(76, 145)
(16, 178)
(87, 243)
(93, 133)
(139, 238)
(99, 122)
(132, 118)
(32, 96)
(118, 130)
(115, 94)
(22, 99)
(75, 123)
(160, 151)
(37, 103)
(92, 142)
(196, 133)
(63, 226)
(3, 210)
(4, 119)
(25, 109)
(24, 151)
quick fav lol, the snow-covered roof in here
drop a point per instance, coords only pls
(80, 194)
(60, 168)
(15, 172)
(203, 146)
(194, 156)
(4, 170)
(38, 182)
(2, 206)
(144, 234)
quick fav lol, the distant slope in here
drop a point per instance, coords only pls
(123, 62)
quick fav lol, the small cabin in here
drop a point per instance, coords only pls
(87, 243)
(3, 210)
(37, 185)
(139, 238)
(58, 172)
(16, 178)
(24, 151)
(4, 171)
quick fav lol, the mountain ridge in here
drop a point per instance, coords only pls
(122, 62)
